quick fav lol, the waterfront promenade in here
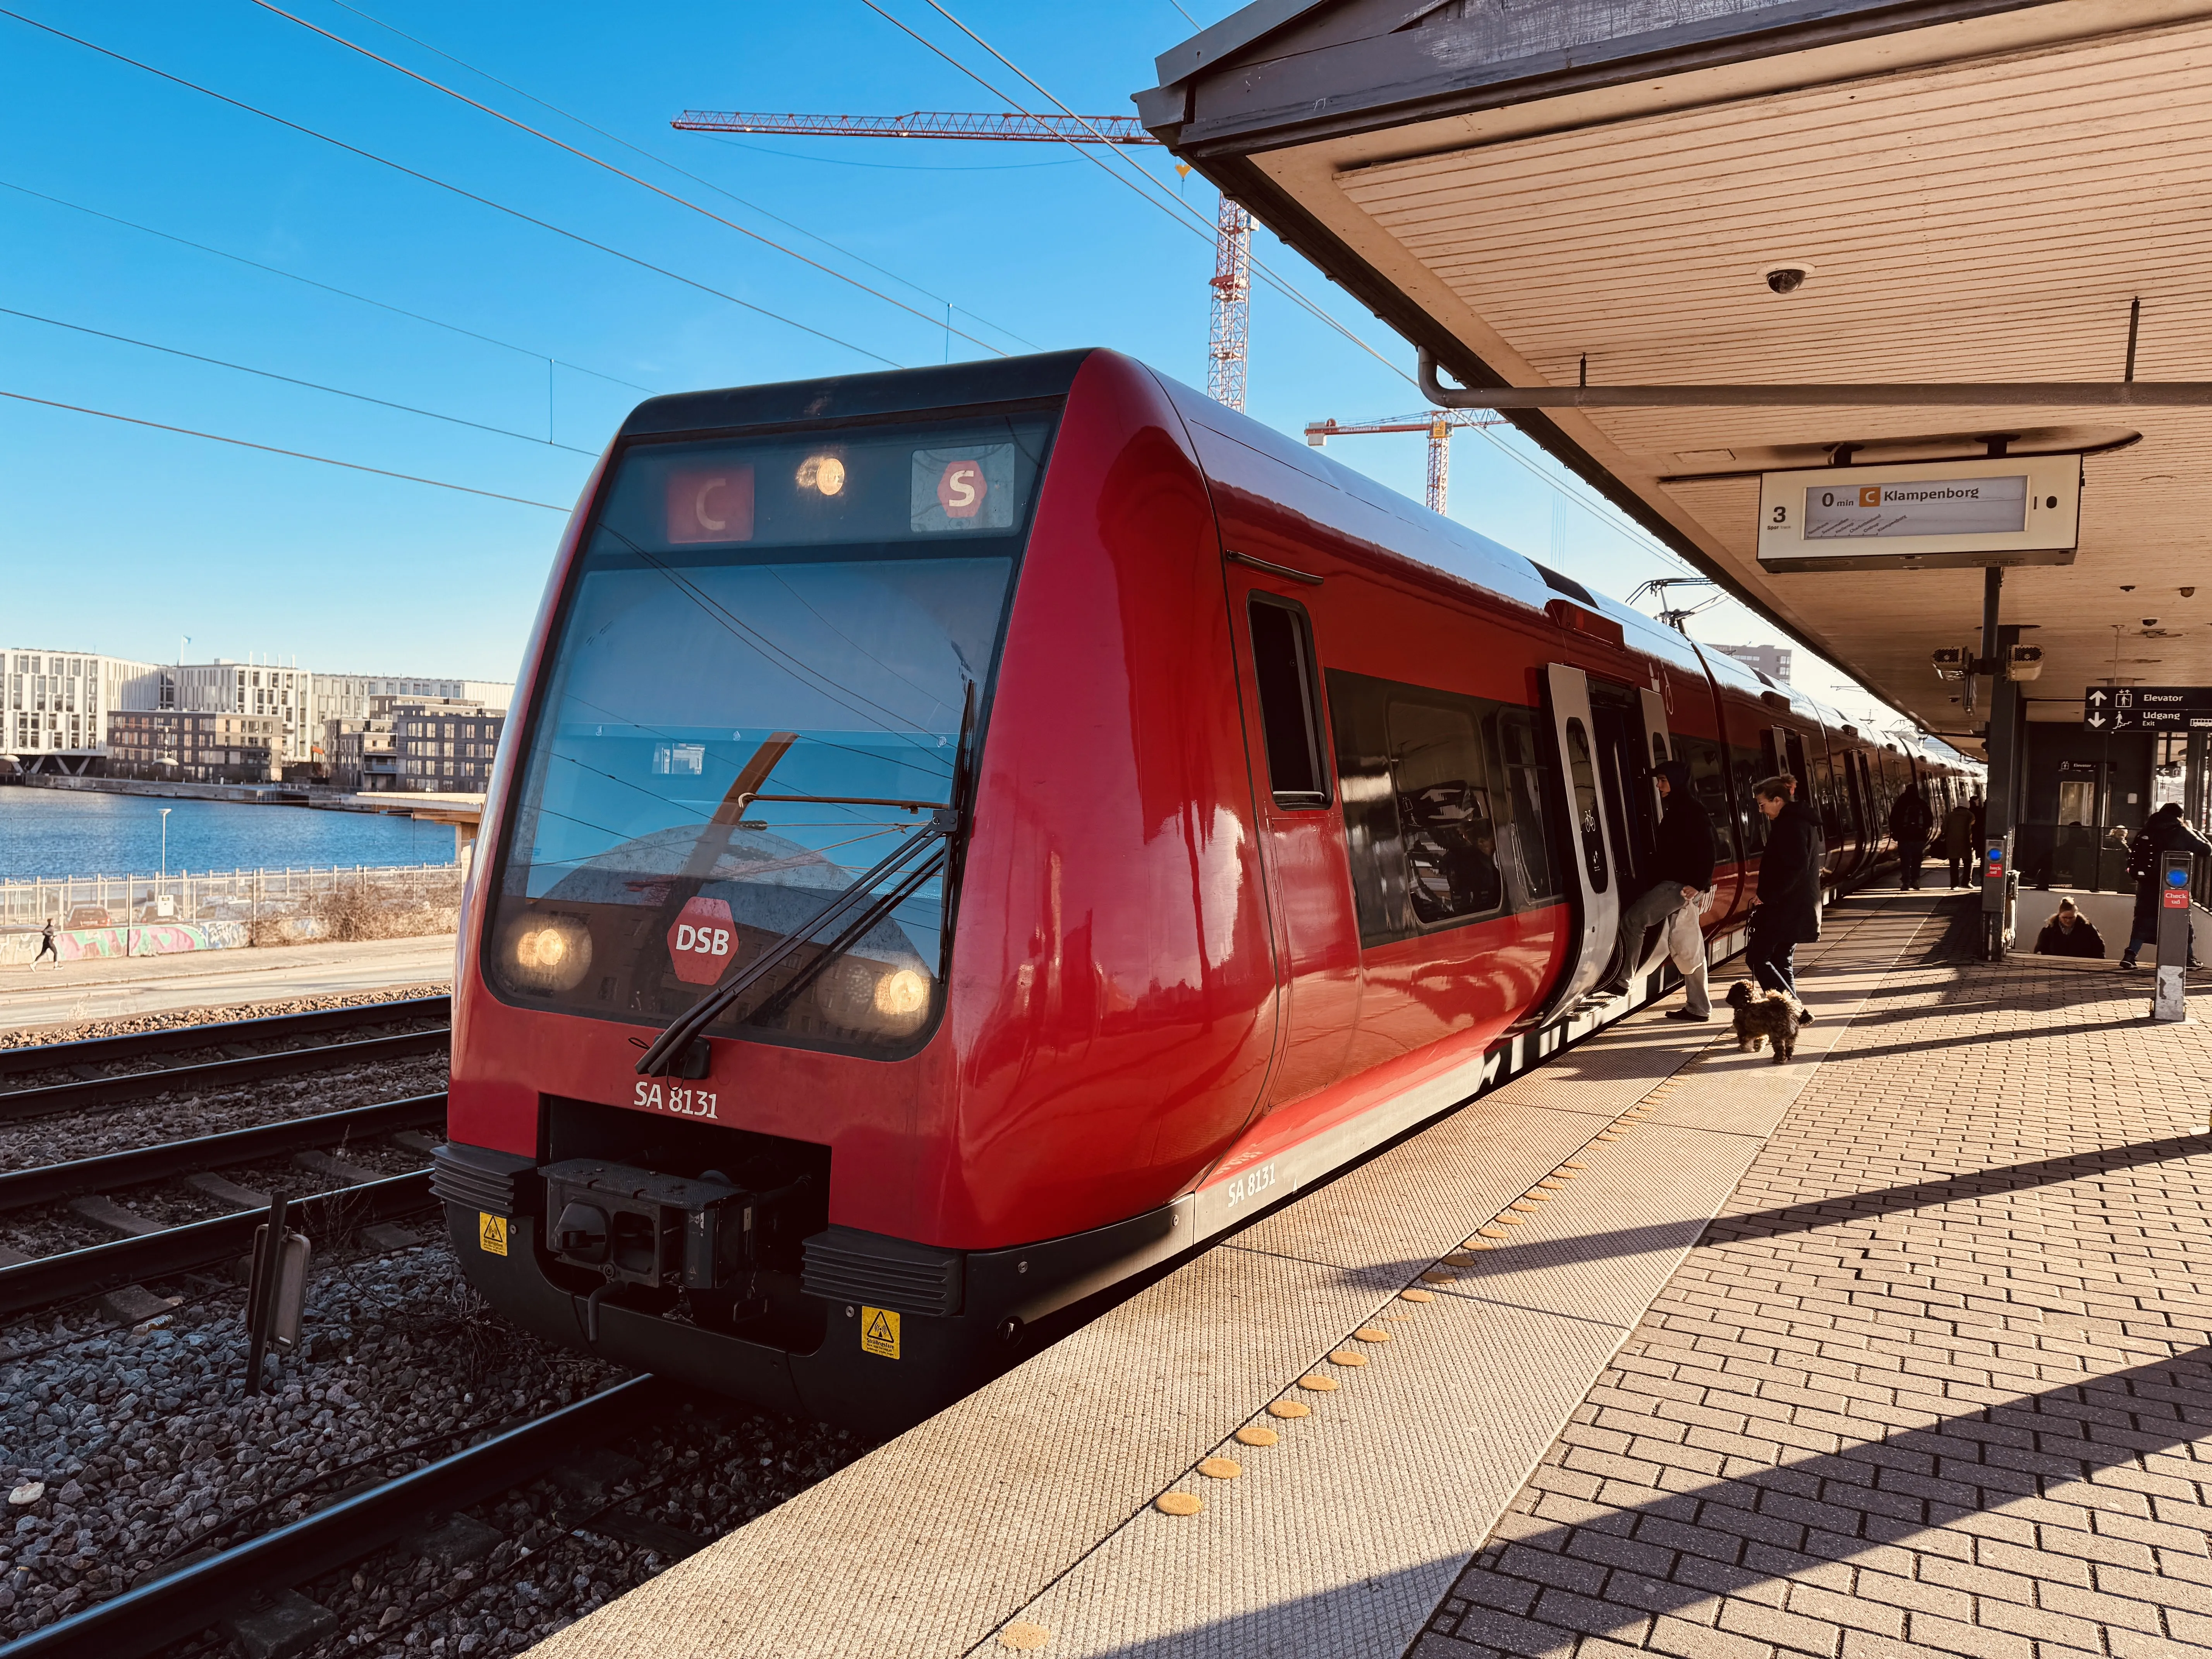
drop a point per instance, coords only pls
(145, 985)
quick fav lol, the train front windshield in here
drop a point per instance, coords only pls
(757, 692)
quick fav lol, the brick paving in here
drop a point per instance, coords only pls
(1937, 1379)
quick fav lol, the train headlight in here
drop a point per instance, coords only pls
(901, 998)
(868, 996)
(549, 952)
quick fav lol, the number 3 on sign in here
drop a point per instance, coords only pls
(1780, 517)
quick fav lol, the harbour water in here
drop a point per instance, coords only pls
(50, 833)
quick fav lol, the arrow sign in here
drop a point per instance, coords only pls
(2097, 699)
(2094, 721)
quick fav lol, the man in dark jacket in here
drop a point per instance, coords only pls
(2167, 831)
(1909, 822)
(1789, 910)
(1682, 868)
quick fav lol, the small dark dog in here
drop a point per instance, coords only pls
(1764, 1017)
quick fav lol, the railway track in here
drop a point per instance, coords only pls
(189, 1596)
(160, 1251)
(116, 1089)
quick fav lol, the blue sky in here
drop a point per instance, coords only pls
(122, 538)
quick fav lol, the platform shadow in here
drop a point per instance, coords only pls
(1728, 1536)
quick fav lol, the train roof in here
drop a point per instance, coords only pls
(932, 389)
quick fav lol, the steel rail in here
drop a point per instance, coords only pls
(21, 1187)
(176, 1039)
(162, 1610)
(137, 1085)
(98, 1267)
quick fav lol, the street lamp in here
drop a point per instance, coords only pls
(166, 810)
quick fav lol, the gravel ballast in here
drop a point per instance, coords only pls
(123, 1025)
(145, 1446)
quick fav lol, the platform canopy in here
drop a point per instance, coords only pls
(1977, 191)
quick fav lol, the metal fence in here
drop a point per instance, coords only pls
(216, 895)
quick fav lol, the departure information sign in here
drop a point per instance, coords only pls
(1922, 514)
(2109, 708)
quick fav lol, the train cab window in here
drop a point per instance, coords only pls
(1447, 825)
(1582, 783)
(1290, 703)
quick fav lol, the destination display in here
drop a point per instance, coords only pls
(2109, 708)
(1922, 514)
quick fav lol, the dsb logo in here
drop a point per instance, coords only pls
(701, 941)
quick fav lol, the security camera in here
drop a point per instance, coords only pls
(1787, 279)
(2023, 662)
(2150, 622)
(1952, 663)
(2188, 593)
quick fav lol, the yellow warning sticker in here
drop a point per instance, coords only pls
(879, 1332)
(491, 1232)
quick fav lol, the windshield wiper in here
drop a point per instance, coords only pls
(851, 906)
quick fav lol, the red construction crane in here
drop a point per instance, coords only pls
(1436, 423)
(1231, 282)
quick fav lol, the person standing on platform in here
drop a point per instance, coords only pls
(1908, 823)
(1788, 914)
(2167, 831)
(1675, 902)
(1959, 841)
(46, 946)
(1980, 810)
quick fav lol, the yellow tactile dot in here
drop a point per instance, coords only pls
(1417, 1295)
(1572, 1164)
(1440, 1276)
(1513, 1221)
(1607, 1137)
(1290, 1408)
(1318, 1385)
(1255, 1434)
(1178, 1502)
(1478, 1244)
(1022, 1637)
(1550, 1184)
(1491, 1232)
(1458, 1260)
(1220, 1468)
(1347, 1357)
(1372, 1333)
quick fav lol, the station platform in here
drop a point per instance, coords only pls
(1899, 1348)
(114, 989)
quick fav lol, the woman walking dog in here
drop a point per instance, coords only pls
(1789, 908)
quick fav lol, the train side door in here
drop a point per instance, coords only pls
(1591, 854)
(1301, 832)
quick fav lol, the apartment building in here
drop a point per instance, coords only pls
(170, 743)
(55, 705)
(443, 744)
(1772, 660)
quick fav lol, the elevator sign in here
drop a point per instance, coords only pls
(2109, 708)
(1922, 514)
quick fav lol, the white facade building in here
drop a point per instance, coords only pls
(1772, 660)
(57, 702)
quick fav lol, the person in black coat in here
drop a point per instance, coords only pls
(1682, 874)
(1909, 822)
(2070, 933)
(1789, 910)
(2167, 831)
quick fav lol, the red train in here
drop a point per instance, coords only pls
(970, 834)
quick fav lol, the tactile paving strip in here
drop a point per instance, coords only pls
(1033, 1501)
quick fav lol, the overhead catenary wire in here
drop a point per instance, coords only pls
(290, 379)
(271, 449)
(620, 173)
(638, 150)
(1174, 205)
(327, 288)
(467, 195)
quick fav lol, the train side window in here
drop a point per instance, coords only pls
(1751, 766)
(1290, 702)
(1582, 780)
(1448, 824)
(1709, 787)
(1527, 789)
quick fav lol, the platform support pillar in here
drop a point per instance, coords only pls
(2007, 742)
